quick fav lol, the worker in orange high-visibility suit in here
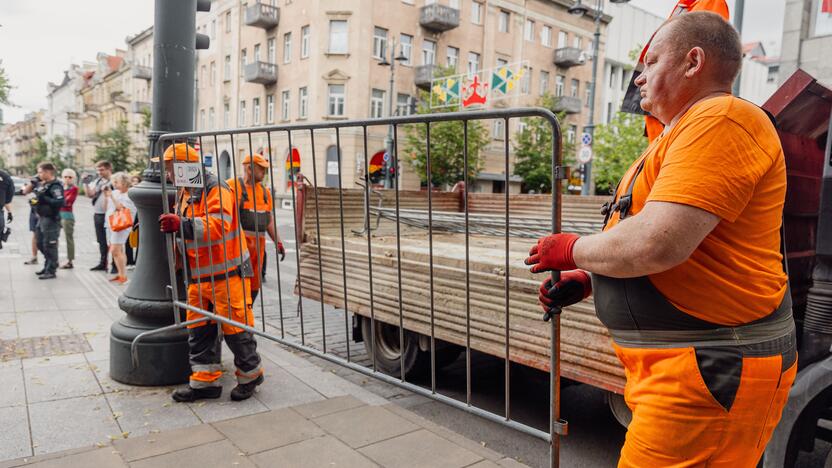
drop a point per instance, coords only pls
(217, 271)
(255, 206)
(688, 275)
(652, 126)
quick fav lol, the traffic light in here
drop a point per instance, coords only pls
(202, 40)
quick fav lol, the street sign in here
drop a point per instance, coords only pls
(187, 174)
(386, 157)
(585, 154)
(586, 139)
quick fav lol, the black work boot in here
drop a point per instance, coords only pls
(41, 271)
(189, 394)
(244, 391)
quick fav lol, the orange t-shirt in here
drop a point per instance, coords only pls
(264, 201)
(723, 156)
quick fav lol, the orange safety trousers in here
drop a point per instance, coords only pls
(678, 422)
(252, 244)
(227, 298)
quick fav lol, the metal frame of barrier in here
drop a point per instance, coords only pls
(557, 427)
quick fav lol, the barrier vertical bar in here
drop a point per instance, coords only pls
(430, 261)
(369, 245)
(243, 247)
(343, 241)
(276, 249)
(317, 234)
(225, 259)
(467, 267)
(398, 250)
(170, 239)
(260, 263)
(557, 426)
(506, 288)
(224, 246)
(298, 235)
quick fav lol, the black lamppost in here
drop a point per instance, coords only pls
(579, 9)
(163, 358)
(388, 141)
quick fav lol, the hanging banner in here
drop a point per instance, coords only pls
(479, 89)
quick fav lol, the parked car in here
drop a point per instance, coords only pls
(18, 185)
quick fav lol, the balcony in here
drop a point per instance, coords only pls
(438, 17)
(261, 72)
(139, 107)
(423, 76)
(566, 57)
(142, 73)
(90, 108)
(263, 16)
(568, 104)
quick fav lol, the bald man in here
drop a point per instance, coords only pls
(688, 274)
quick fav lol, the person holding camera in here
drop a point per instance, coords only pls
(30, 187)
(6, 195)
(48, 201)
(94, 190)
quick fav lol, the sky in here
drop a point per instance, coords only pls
(42, 38)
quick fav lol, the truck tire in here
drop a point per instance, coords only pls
(388, 350)
(619, 409)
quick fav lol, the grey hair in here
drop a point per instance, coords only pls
(121, 177)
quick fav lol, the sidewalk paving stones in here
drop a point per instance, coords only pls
(140, 412)
(215, 454)
(323, 451)
(14, 438)
(419, 449)
(73, 422)
(14, 390)
(101, 458)
(60, 382)
(376, 424)
(155, 444)
(265, 431)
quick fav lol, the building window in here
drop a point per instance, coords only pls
(226, 70)
(338, 43)
(228, 21)
(213, 29)
(476, 12)
(452, 57)
(336, 99)
(285, 102)
(503, 21)
(213, 73)
(257, 52)
(241, 115)
(526, 82)
(255, 111)
(473, 62)
(428, 52)
(559, 80)
(528, 30)
(270, 108)
(773, 71)
(574, 88)
(571, 132)
(402, 104)
(626, 77)
(201, 79)
(243, 61)
(304, 42)
(211, 118)
(226, 115)
(454, 4)
(202, 119)
(379, 42)
(376, 104)
(563, 39)
(578, 42)
(546, 36)
(501, 62)
(544, 82)
(406, 40)
(303, 103)
(287, 47)
(497, 130)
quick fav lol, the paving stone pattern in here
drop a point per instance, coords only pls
(43, 346)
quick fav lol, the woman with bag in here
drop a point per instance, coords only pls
(119, 215)
(67, 217)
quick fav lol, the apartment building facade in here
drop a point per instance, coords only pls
(807, 40)
(17, 142)
(289, 61)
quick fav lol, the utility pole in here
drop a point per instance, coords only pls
(388, 141)
(163, 359)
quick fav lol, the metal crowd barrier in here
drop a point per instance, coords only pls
(214, 139)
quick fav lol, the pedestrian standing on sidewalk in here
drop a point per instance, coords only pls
(34, 182)
(48, 201)
(116, 198)
(132, 253)
(94, 190)
(6, 195)
(67, 216)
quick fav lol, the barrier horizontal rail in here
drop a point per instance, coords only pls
(494, 225)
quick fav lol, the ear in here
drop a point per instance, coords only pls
(694, 62)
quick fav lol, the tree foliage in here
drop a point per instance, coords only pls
(114, 145)
(5, 86)
(533, 149)
(447, 144)
(617, 145)
(47, 151)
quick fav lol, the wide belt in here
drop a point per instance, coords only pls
(774, 333)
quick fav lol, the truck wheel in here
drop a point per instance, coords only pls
(388, 350)
(619, 408)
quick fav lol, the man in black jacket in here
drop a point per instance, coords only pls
(6, 195)
(49, 198)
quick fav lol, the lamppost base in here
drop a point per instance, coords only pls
(162, 358)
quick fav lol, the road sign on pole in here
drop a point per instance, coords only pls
(586, 139)
(585, 154)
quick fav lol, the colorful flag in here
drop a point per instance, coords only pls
(826, 6)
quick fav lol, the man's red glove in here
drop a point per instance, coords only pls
(553, 253)
(169, 222)
(573, 287)
(281, 250)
